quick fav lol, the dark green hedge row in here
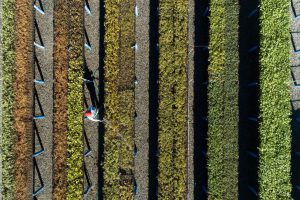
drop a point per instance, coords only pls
(275, 131)
(223, 91)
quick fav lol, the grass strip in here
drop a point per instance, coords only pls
(223, 100)
(275, 131)
(173, 30)
(126, 95)
(75, 102)
(23, 102)
(111, 187)
(8, 75)
(60, 64)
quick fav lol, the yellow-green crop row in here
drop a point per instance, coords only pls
(111, 187)
(119, 99)
(275, 131)
(173, 30)
(126, 95)
(7, 123)
(75, 103)
(223, 114)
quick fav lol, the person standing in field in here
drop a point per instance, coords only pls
(91, 114)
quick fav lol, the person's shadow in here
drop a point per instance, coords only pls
(88, 75)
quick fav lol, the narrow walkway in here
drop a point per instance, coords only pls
(91, 98)
(43, 93)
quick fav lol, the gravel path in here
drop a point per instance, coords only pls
(190, 71)
(142, 100)
(45, 94)
(91, 128)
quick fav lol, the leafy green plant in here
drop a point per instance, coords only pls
(172, 114)
(275, 130)
(223, 100)
(7, 123)
(75, 103)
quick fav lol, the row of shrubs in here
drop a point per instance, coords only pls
(75, 102)
(172, 110)
(275, 132)
(119, 100)
(7, 80)
(223, 109)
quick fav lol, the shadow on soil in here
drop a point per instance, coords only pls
(101, 100)
(295, 154)
(200, 98)
(153, 100)
(248, 100)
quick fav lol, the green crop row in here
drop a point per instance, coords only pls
(7, 123)
(172, 116)
(223, 113)
(75, 103)
(275, 132)
(111, 187)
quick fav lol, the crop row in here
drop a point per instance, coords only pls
(60, 89)
(172, 111)
(223, 100)
(8, 69)
(119, 100)
(275, 132)
(75, 102)
(23, 102)
(126, 95)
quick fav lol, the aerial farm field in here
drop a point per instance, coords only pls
(149, 99)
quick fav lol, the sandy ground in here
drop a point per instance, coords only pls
(190, 71)
(45, 94)
(91, 128)
(142, 100)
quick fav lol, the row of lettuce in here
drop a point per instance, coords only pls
(172, 110)
(119, 99)
(274, 102)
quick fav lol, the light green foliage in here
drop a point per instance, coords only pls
(275, 131)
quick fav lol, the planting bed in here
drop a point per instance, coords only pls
(23, 101)
(172, 107)
(60, 75)
(119, 100)
(223, 101)
(7, 76)
(275, 132)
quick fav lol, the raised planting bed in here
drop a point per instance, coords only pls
(7, 121)
(23, 101)
(223, 100)
(75, 145)
(60, 75)
(119, 100)
(275, 131)
(172, 108)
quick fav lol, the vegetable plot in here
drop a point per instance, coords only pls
(275, 131)
(75, 102)
(8, 75)
(223, 100)
(172, 113)
(119, 100)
